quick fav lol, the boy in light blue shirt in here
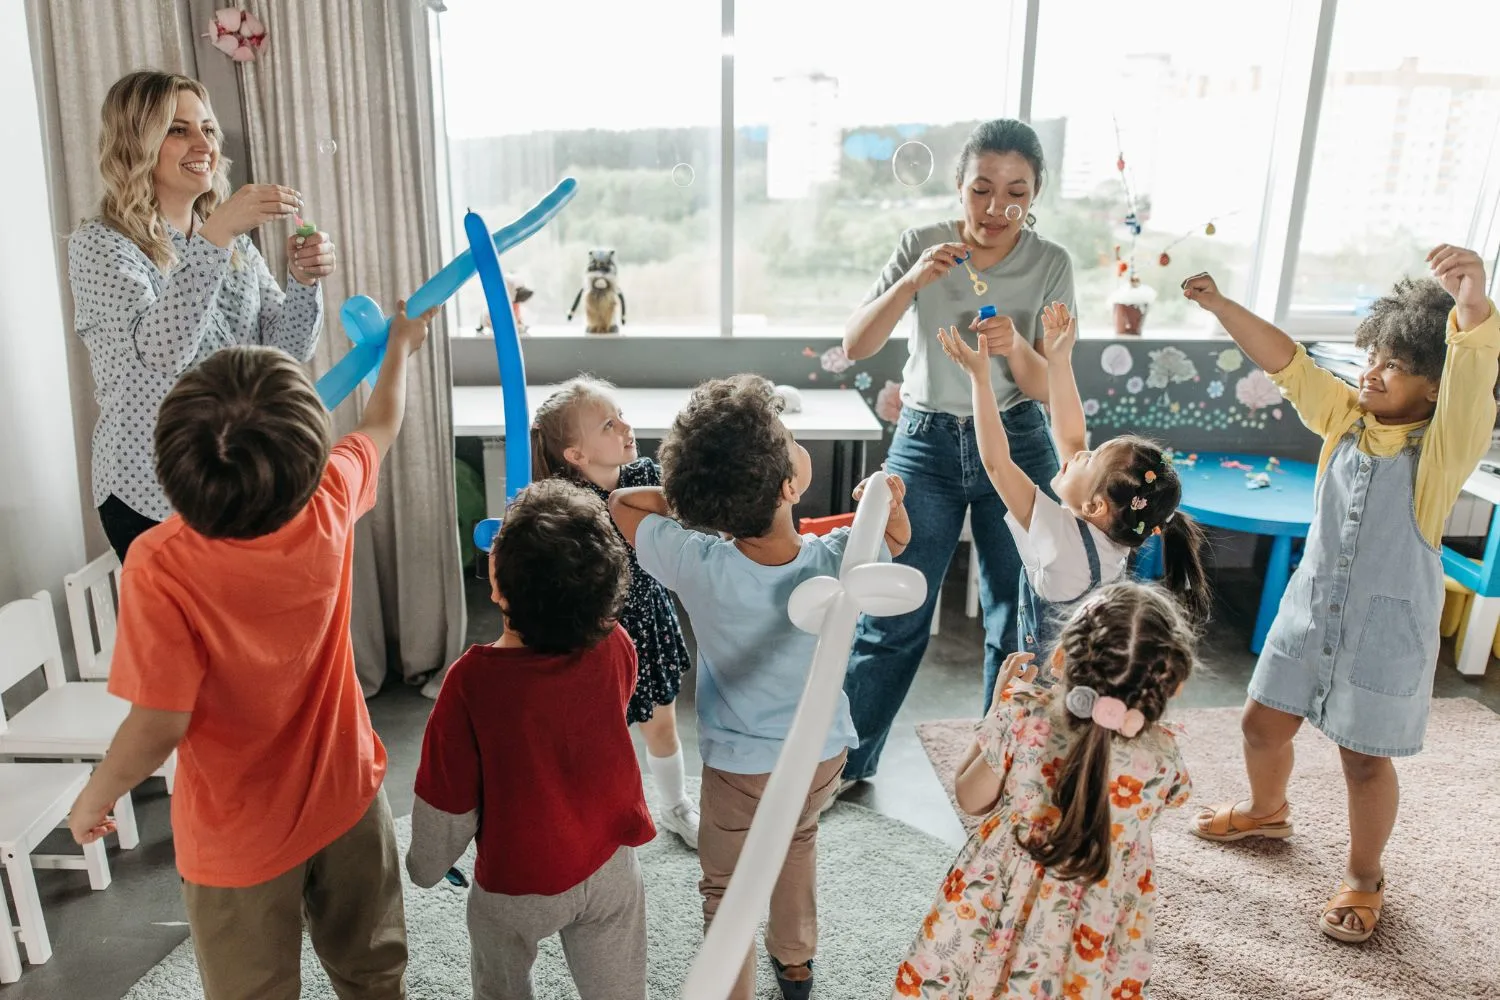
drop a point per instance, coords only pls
(732, 473)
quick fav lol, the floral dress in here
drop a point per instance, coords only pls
(650, 618)
(1003, 925)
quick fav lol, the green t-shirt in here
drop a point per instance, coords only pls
(1033, 275)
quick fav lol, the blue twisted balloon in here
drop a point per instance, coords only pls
(368, 327)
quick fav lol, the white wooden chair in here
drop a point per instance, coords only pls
(34, 800)
(93, 595)
(971, 591)
(71, 720)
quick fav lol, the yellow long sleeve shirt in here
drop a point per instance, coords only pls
(1459, 432)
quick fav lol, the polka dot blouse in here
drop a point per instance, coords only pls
(650, 618)
(144, 328)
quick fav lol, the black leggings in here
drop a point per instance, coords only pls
(122, 524)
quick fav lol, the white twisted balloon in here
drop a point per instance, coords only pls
(831, 609)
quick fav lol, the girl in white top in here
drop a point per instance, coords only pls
(1112, 499)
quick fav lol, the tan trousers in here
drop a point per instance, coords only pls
(249, 940)
(727, 805)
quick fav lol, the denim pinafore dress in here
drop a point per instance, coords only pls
(1355, 643)
(1040, 620)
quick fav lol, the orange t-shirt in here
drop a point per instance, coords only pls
(252, 638)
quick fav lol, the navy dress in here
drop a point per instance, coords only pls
(650, 618)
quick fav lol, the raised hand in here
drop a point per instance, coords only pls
(1202, 289)
(998, 334)
(897, 485)
(1059, 330)
(1461, 273)
(310, 257)
(1015, 664)
(251, 207)
(976, 363)
(410, 332)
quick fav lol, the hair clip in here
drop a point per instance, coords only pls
(1168, 519)
(1140, 527)
(1150, 476)
(1138, 503)
(1156, 530)
(1080, 700)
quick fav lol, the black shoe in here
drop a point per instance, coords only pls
(793, 989)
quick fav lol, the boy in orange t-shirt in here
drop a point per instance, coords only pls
(233, 648)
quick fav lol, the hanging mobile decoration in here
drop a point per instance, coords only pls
(1208, 230)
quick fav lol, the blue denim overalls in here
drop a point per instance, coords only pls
(1355, 643)
(1039, 620)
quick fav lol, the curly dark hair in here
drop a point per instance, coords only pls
(1136, 470)
(1411, 324)
(560, 566)
(727, 456)
(241, 442)
(1129, 641)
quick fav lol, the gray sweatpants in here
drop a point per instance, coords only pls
(602, 921)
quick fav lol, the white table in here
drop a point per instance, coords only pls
(837, 415)
(1484, 580)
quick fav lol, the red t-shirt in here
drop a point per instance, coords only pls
(539, 745)
(252, 637)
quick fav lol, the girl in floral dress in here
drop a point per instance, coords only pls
(1052, 895)
(580, 433)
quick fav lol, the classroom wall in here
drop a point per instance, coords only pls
(41, 521)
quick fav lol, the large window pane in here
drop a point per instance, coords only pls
(1192, 91)
(824, 94)
(1408, 123)
(625, 100)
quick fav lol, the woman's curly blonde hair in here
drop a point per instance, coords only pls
(137, 112)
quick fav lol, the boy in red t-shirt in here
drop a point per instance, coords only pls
(528, 750)
(233, 648)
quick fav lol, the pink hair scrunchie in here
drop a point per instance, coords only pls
(1109, 713)
(1132, 724)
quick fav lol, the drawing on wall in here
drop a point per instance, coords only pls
(1174, 394)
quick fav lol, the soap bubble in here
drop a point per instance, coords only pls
(328, 146)
(912, 164)
(683, 175)
(1013, 212)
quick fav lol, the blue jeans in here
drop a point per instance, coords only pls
(937, 456)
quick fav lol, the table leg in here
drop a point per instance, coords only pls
(1479, 635)
(494, 476)
(1278, 572)
(838, 494)
(10, 955)
(28, 907)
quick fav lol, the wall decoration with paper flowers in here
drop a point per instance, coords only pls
(237, 33)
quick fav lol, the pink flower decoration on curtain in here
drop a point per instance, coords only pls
(237, 33)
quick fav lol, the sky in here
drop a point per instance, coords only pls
(518, 68)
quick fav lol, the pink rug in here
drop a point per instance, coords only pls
(1238, 922)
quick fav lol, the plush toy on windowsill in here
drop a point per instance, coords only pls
(600, 294)
(518, 293)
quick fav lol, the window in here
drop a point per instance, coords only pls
(1405, 135)
(624, 99)
(824, 95)
(1194, 97)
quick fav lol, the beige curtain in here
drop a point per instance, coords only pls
(79, 50)
(357, 74)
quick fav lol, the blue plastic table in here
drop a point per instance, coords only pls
(1218, 497)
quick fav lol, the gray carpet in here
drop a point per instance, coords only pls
(1238, 922)
(876, 880)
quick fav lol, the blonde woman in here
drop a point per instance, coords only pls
(167, 275)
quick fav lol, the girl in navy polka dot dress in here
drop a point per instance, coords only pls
(579, 432)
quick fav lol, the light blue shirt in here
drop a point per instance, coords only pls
(752, 661)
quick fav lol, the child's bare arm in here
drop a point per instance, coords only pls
(1270, 348)
(630, 506)
(1013, 485)
(144, 740)
(1059, 333)
(978, 785)
(386, 408)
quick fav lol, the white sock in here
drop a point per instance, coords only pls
(667, 773)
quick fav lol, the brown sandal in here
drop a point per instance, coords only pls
(1366, 906)
(1223, 825)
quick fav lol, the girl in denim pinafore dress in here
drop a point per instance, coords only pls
(1104, 504)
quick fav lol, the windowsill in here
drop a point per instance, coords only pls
(1309, 330)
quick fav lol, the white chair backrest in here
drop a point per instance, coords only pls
(28, 639)
(93, 595)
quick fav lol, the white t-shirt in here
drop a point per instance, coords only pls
(1052, 552)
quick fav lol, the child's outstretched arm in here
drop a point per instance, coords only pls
(1059, 333)
(387, 406)
(897, 525)
(977, 786)
(1013, 485)
(630, 506)
(1270, 348)
(144, 740)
